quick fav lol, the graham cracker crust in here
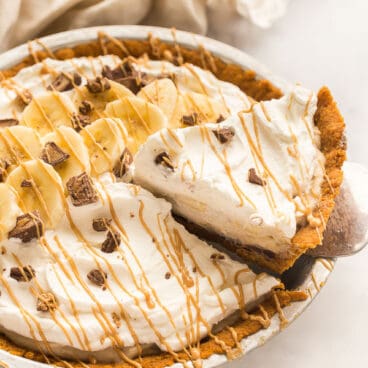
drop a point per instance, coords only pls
(327, 119)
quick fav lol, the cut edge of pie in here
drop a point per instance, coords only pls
(327, 118)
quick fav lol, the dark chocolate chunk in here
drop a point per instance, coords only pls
(97, 277)
(8, 122)
(81, 190)
(224, 134)
(28, 226)
(111, 242)
(65, 82)
(190, 119)
(22, 274)
(52, 154)
(167, 275)
(98, 85)
(122, 166)
(86, 107)
(80, 121)
(164, 159)
(46, 302)
(101, 224)
(254, 178)
(217, 257)
(27, 183)
(220, 119)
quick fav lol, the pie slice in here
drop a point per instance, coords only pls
(262, 182)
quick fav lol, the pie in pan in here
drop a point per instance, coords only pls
(120, 160)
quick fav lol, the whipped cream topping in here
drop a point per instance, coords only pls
(163, 285)
(189, 78)
(209, 180)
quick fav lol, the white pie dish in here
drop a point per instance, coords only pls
(320, 269)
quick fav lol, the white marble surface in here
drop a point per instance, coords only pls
(321, 42)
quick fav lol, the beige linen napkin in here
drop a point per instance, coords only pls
(21, 20)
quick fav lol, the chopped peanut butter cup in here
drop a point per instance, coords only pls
(101, 224)
(224, 135)
(52, 154)
(190, 120)
(111, 242)
(8, 122)
(22, 274)
(123, 164)
(97, 277)
(164, 160)
(254, 178)
(65, 82)
(98, 85)
(81, 190)
(46, 302)
(28, 226)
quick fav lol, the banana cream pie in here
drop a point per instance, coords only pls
(95, 268)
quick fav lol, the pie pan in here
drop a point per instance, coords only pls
(309, 275)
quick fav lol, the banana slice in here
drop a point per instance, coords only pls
(98, 101)
(206, 108)
(105, 139)
(9, 209)
(39, 187)
(18, 144)
(162, 93)
(48, 111)
(71, 143)
(140, 118)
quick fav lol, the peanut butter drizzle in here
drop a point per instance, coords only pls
(260, 157)
(315, 283)
(37, 193)
(327, 263)
(197, 77)
(238, 350)
(267, 188)
(28, 318)
(39, 291)
(102, 36)
(187, 163)
(10, 147)
(107, 326)
(240, 194)
(174, 136)
(239, 295)
(283, 320)
(196, 265)
(32, 53)
(166, 143)
(178, 245)
(71, 149)
(71, 302)
(85, 344)
(205, 54)
(144, 277)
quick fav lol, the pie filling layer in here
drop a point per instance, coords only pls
(94, 267)
(251, 178)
